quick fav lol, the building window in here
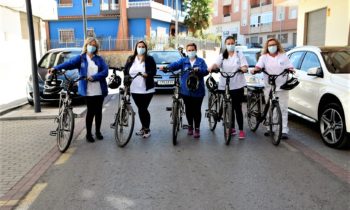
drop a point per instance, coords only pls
(236, 6)
(66, 35)
(283, 38)
(216, 5)
(89, 2)
(247, 40)
(271, 36)
(90, 32)
(254, 39)
(260, 40)
(109, 5)
(265, 2)
(266, 18)
(244, 21)
(227, 11)
(280, 13)
(65, 3)
(245, 4)
(293, 13)
(254, 20)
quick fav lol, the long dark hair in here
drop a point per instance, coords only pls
(132, 58)
(225, 54)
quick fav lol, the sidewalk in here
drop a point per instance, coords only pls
(26, 148)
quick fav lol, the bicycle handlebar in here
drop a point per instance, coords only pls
(227, 74)
(166, 69)
(63, 72)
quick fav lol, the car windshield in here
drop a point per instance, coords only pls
(165, 57)
(251, 58)
(338, 62)
(49, 59)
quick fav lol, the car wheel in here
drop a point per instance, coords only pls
(332, 126)
(31, 102)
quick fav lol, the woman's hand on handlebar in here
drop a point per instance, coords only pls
(255, 70)
(51, 71)
(89, 78)
(244, 69)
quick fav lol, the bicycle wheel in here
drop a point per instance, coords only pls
(227, 122)
(124, 125)
(275, 124)
(175, 120)
(65, 129)
(253, 110)
(212, 114)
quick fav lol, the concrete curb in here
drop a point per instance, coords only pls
(11, 108)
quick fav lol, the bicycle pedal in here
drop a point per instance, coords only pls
(168, 108)
(53, 133)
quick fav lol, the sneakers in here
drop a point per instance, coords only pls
(99, 136)
(89, 138)
(140, 132)
(233, 132)
(196, 133)
(190, 131)
(145, 133)
(284, 136)
(241, 135)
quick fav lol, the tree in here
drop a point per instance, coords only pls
(198, 15)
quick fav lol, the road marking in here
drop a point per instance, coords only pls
(65, 156)
(31, 196)
(8, 203)
(289, 147)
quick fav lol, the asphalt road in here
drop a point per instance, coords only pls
(196, 174)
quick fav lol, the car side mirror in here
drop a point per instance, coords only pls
(315, 71)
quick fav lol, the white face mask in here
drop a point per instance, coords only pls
(272, 49)
(141, 51)
(230, 48)
(192, 54)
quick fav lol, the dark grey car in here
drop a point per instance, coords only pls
(52, 58)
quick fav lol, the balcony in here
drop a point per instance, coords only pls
(109, 9)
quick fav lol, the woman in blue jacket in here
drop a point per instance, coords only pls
(193, 98)
(94, 88)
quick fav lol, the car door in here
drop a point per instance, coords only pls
(294, 95)
(308, 90)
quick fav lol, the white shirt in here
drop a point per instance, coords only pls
(138, 85)
(274, 65)
(93, 88)
(232, 64)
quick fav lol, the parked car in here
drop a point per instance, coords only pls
(323, 95)
(254, 45)
(52, 58)
(252, 57)
(163, 80)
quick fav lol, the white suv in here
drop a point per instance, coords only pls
(323, 94)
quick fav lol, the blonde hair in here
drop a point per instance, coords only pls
(279, 46)
(88, 41)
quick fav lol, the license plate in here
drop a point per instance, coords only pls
(166, 82)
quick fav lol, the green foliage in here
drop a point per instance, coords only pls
(198, 15)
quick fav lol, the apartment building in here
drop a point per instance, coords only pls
(109, 20)
(255, 21)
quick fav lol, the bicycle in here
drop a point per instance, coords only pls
(178, 108)
(220, 106)
(255, 115)
(66, 117)
(124, 119)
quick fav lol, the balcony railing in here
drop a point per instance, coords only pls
(227, 2)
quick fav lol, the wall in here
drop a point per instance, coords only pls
(76, 8)
(337, 22)
(137, 27)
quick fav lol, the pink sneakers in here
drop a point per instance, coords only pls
(196, 133)
(233, 132)
(190, 131)
(241, 135)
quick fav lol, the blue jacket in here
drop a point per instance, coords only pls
(80, 62)
(183, 64)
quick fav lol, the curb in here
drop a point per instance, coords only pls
(11, 108)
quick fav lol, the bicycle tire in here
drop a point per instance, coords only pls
(65, 124)
(253, 111)
(227, 122)
(175, 119)
(275, 124)
(212, 112)
(125, 119)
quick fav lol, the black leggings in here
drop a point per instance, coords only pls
(237, 96)
(193, 106)
(94, 109)
(142, 102)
